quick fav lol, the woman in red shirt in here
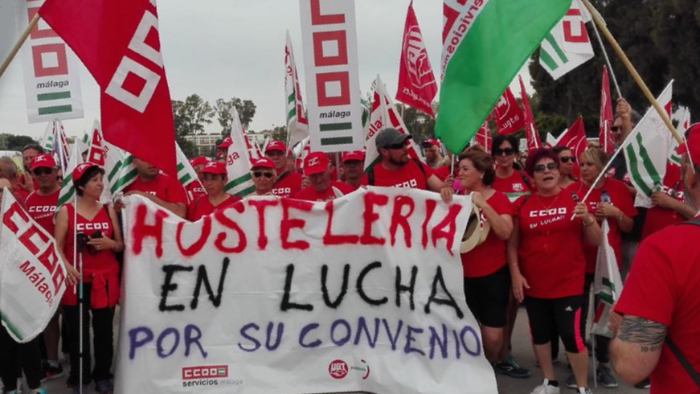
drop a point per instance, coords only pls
(609, 200)
(567, 162)
(545, 255)
(99, 236)
(486, 276)
(509, 180)
(214, 180)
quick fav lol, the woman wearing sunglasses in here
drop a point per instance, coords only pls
(509, 180)
(264, 176)
(567, 162)
(547, 265)
(99, 237)
(213, 177)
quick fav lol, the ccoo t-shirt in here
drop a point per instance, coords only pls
(335, 190)
(43, 209)
(411, 175)
(162, 186)
(287, 185)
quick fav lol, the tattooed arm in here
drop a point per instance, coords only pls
(636, 349)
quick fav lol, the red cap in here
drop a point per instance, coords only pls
(79, 171)
(315, 163)
(692, 144)
(353, 155)
(264, 163)
(214, 167)
(225, 143)
(43, 160)
(199, 160)
(431, 141)
(276, 145)
(220, 155)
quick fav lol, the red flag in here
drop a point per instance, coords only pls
(575, 138)
(509, 116)
(417, 86)
(606, 115)
(531, 134)
(483, 136)
(119, 44)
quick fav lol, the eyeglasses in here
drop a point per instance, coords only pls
(566, 159)
(396, 146)
(549, 166)
(42, 170)
(615, 129)
(504, 152)
(258, 174)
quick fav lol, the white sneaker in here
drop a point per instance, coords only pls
(545, 388)
(584, 390)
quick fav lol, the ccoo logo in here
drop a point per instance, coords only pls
(338, 369)
(416, 58)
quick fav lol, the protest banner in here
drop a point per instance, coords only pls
(332, 75)
(32, 275)
(51, 70)
(362, 293)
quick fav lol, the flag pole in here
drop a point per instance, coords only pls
(18, 44)
(635, 75)
(607, 60)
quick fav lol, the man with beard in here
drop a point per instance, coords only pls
(352, 164)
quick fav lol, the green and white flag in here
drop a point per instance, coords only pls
(682, 115)
(185, 173)
(49, 138)
(646, 151)
(67, 193)
(238, 160)
(485, 43)
(607, 284)
(568, 45)
(297, 125)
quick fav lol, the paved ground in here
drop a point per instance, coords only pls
(506, 385)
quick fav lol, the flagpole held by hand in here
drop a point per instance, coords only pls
(635, 75)
(18, 44)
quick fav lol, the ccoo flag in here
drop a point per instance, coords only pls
(485, 42)
(417, 86)
(118, 42)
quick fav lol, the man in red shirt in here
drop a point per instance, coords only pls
(322, 187)
(352, 164)
(29, 152)
(8, 169)
(159, 188)
(288, 182)
(195, 189)
(398, 170)
(657, 319)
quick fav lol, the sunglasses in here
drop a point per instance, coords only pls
(396, 146)
(549, 166)
(258, 174)
(615, 129)
(42, 171)
(504, 152)
(566, 159)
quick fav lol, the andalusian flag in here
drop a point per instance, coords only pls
(297, 125)
(185, 173)
(485, 43)
(67, 192)
(568, 45)
(238, 160)
(647, 151)
(607, 284)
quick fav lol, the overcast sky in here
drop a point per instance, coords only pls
(235, 48)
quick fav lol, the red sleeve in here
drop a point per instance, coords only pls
(343, 187)
(442, 172)
(501, 204)
(648, 291)
(175, 192)
(623, 199)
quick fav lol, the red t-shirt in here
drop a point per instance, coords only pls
(490, 256)
(513, 186)
(658, 218)
(409, 175)
(336, 190)
(162, 186)
(287, 185)
(20, 194)
(203, 207)
(663, 286)
(551, 245)
(619, 197)
(442, 172)
(194, 191)
(43, 209)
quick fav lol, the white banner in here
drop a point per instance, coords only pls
(362, 293)
(32, 275)
(332, 75)
(51, 74)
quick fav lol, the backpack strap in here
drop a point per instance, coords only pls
(420, 165)
(370, 176)
(695, 221)
(677, 352)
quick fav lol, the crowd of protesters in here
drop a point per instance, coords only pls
(540, 251)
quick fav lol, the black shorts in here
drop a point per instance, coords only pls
(562, 315)
(487, 297)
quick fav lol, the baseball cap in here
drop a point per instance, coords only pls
(198, 161)
(214, 167)
(43, 160)
(225, 143)
(431, 142)
(353, 155)
(315, 163)
(276, 145)
(263, 163)
(79, 171)
(692, 144)
(389, 136)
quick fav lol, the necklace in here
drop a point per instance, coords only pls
(547, 207)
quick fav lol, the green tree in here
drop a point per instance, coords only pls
(14, 142)
(420, 125)
(246, 111)
(190, 117)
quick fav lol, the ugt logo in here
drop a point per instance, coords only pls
(417, 63)
(503, 106)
